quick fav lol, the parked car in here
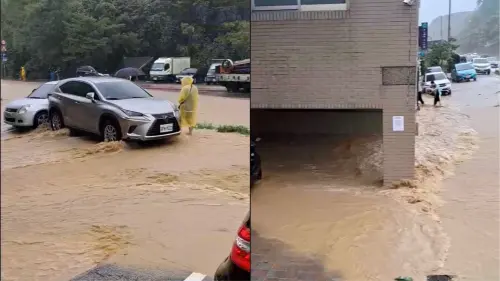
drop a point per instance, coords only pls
(481, 65)
(87, 70)
(493, 62)
(255, 165)
(31, 111)
(112, 108)
(463, 72)
(236, 267)
(441, 81)
(434, 69)
(198, 75)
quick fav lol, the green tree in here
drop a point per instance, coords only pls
(442, 54)
(67, 33)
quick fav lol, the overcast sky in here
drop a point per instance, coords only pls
(431, 9)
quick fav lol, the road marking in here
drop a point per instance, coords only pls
(195, 277)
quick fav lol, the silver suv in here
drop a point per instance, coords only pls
(112, 108)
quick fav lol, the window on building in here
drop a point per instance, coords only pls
(303, 5)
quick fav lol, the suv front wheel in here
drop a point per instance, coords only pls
(110, 131)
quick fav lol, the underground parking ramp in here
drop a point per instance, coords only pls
(110, 272)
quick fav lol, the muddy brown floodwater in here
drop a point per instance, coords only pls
(320, 198)
(69, 203)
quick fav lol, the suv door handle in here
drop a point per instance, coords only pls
(76, 102)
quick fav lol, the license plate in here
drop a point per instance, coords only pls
(154, 78)
(165, 128)
(468, 76)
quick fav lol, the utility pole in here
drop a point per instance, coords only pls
(441, 34)
(449, 20)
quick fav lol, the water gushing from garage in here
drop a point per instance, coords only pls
(318, 196)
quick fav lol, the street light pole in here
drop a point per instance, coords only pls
(449, 20)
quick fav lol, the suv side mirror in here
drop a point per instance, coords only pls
(90, 96)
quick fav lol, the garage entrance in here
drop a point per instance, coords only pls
(345, 145)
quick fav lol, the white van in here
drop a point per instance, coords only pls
(166, 69)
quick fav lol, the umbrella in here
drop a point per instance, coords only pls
(129, 72)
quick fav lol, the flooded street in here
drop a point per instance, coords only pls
(69, 203)
(471, 213)
(316, 205)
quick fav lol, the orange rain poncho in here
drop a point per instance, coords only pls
(188, 101)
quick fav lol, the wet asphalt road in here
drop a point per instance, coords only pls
(115, 273)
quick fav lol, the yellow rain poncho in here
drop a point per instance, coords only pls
(23, 73)
(188, 101)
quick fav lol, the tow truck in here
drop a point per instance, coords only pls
(235, 76)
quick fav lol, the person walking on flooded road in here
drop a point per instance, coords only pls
(437, 93)
(23, 73)
(188, 104)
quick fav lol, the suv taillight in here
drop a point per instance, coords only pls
(240, 253)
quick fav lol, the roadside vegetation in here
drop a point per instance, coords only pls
(240, 129)
(442, 54)
(64, 34)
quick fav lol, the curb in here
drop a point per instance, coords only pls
(108, 272)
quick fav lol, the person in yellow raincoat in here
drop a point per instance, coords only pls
(23, 73)
(188, 104)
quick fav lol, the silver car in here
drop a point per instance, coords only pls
(112, 108)
(31, 111)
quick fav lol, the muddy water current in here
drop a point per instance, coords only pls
(69, 203)
(337, 211)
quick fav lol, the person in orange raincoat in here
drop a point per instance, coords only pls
(188, 104)
(23, 73)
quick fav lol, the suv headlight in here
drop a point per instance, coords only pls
(176, 111)
(135, 115)
(24, 109)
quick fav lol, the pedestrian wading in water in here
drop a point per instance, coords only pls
(437, 93)
(188, 104)
(420, 101)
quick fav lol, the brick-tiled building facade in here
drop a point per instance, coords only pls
(338, 55)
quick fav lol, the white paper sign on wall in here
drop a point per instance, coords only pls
(398, 123)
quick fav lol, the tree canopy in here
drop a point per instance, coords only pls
(43, 34)
(442, 54)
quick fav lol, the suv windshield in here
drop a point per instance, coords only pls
(42, 92)
(435, 77)
(434, 69)
(121, 90)
(157, 66)
(480, 61)
(465, 66)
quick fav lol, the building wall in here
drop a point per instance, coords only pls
(362, 58)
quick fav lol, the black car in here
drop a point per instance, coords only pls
(255, 167)
(236, 267)
(87, 70)
(198, 74)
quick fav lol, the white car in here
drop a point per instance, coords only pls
(31, 111)
(481, 65)
(441, 81)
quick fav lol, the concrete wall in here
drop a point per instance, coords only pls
(362, 58)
